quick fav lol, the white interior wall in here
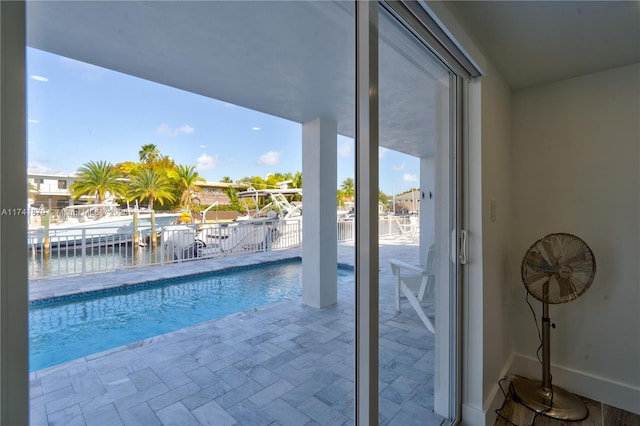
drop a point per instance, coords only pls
(583, 132)
(575, 169)
(496, 233)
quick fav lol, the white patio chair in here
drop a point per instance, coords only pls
(406, 229)
(416, 283)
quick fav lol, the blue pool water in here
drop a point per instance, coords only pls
(72, 327)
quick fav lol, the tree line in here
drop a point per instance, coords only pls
(157, 180)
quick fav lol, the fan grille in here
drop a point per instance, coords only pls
(564, 262)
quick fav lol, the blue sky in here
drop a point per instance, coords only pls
(79, 112)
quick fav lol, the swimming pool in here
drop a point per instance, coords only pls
(70, 327)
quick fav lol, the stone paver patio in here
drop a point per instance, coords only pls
(282, 364)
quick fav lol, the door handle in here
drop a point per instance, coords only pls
(464, 247)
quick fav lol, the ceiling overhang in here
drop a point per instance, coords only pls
(294, 60)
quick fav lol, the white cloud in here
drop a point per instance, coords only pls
(165, 130)
(382, 152)
(408, 177)
(33, 120)
(186, 129)
(39, 78)
(206, 162)
(399, 167)
(270, 158)
(344, 150)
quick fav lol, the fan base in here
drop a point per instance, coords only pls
(565, 405)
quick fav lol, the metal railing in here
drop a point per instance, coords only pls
(387, 226)
(84, 251)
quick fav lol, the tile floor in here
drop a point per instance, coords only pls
(283, 364)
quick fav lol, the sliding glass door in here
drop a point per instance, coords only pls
(296, 60)
(413, 135)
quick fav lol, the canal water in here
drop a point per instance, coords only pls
(70, 260)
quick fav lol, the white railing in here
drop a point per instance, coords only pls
(346, 230)
(51, 188)
(83, 251)
(387, 226)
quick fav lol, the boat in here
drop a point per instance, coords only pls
(267, 213)
(272, 200)
(97, 224)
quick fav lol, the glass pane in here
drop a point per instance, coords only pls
(415, 223)
(258, 98)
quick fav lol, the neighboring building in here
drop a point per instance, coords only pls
(53, 191)
(215, 192)
(407, 202)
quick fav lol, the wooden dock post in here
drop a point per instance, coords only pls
(153, 230)
(46, 243)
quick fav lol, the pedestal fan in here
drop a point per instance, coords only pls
(556, 269)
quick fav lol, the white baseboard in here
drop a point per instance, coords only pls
(495, 398)
(616, 394)
(487, 415)
(472, 416)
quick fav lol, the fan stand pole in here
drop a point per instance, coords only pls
(543, 397)
(546, 347)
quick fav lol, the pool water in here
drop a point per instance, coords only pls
(63, 330)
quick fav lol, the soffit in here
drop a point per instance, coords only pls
(290, 59)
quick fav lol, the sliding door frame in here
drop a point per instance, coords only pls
(366, 235)
(425, 28)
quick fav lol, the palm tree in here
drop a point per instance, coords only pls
(297, 180)
(97, 179)
(148, 183)
(348, 188)
(148, 153)
(231, 192)
(186, 181)
(32, 190)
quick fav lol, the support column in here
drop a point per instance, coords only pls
(319, 230)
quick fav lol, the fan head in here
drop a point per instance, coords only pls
(564, 262)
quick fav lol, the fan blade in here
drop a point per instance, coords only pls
(537, 280)
(584, 278)
(537, 262)
(548, 250)
(575, 259)
(585, 267)
(567, 289)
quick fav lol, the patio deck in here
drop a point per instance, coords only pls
(282, 364)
